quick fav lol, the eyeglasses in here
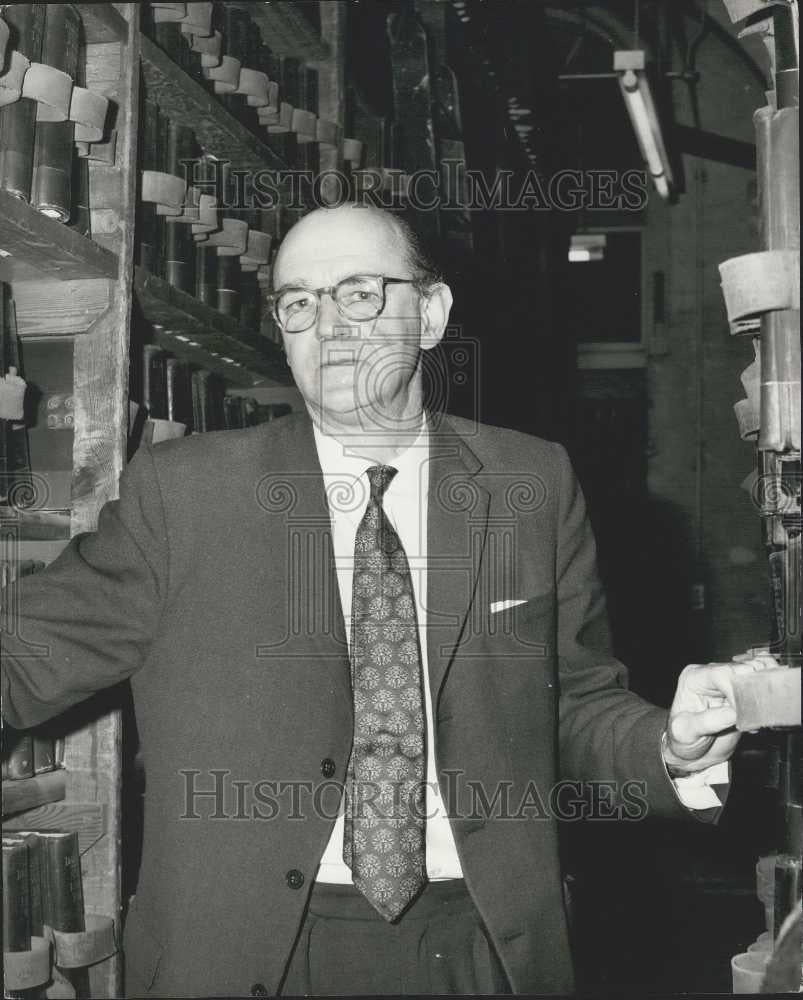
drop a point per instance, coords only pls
(359, 297)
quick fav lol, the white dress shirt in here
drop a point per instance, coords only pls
(405, 504)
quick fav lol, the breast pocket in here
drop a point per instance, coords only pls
(525, 630)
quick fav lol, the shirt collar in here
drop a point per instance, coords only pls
(411, 464)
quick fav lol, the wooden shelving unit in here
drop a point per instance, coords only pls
(195, 331)
(64, 283)
(185, 100)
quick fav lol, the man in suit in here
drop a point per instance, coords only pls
(368, 595)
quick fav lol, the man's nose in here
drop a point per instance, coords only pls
(329, 322)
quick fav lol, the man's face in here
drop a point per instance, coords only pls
(351, 371)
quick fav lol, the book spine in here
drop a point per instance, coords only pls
(154, 386)
(185, 395)
(80, 215)
(248, 43)
(290, 93)
(268, 62)
(235, 44)
(251, 301)
(206, 277)
(229, 272)
(16, 896)
(16, 905)
(35, 885)
(36, 928)
(229, 286)
(206, 258)
(308, 153)
(290, 69)
(34, 845)
(179, 244)
(53, 142)
(63, 895)
(147, 24)
(80, 218)
(217, 394)
(232, 413)
(147, 220)
(250, 292)
(179, 392)
(200, 401)
(26, 23)
(171, 380)
(162, 165)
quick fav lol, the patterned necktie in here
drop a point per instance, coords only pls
(383, 840)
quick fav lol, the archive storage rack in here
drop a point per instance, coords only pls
(67, 286)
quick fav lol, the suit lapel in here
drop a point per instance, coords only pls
(457, 522)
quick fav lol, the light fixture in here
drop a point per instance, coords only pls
(630, 67)
(586, 247)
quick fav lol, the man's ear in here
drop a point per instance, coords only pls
(436, 304)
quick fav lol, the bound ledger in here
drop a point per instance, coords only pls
(51, 184)
(26, 22)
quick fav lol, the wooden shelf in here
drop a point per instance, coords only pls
(287, 31)
(41, 247)
(185, 100)
(194, 331)
(28, 793)
(87, 819)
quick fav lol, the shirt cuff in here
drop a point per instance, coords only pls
(695, 791)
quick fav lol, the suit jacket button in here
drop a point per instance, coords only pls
(328, 767)
(259, 990)
(294, 878)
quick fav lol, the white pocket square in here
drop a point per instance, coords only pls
(504, 605)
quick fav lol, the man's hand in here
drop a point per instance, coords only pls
(700, 730)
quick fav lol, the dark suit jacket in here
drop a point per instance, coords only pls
(210, 584)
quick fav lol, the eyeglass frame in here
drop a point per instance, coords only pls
(273, 298)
